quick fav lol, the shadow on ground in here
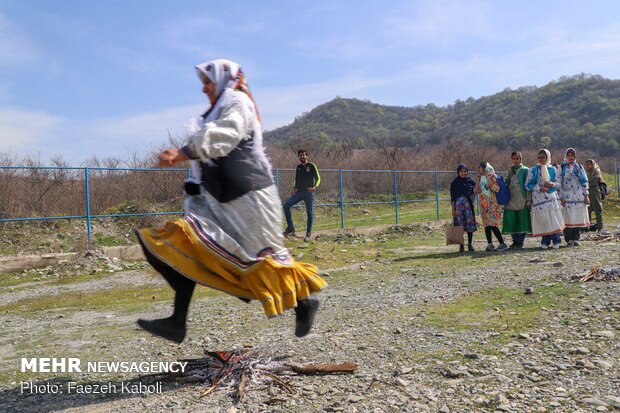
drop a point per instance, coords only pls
(22, 400)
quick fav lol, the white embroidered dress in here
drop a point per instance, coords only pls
(547, 216)
(573, 191)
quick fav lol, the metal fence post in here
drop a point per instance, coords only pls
(396, 196)
(276, 179)
(189, 173)
(87, 191)
(341, 203)
(437, 193)
(617, 180)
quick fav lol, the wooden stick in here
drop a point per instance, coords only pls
(328, 368)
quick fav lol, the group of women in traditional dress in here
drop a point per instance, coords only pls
(545, 201)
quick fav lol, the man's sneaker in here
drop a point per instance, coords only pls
(544, 246)
(461, 248)
(490, 247)
(308, 236)
(502, 247)
(570, 243)
(470, 247)
(576, 243)
(289, 231)
(556, 246)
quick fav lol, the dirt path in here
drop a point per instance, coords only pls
(454, 332)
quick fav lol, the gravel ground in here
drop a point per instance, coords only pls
(431, 330)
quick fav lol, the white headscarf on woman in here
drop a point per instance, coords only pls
(544, 171)
(484, 183)
(226, 74)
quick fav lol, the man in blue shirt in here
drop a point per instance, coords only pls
(307, 180)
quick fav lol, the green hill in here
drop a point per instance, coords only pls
(581, 111)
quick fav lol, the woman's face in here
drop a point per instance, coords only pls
(516, 160)
(208, 88)
(542, 158)
(463, 173)
(570, 157)
(480, 170)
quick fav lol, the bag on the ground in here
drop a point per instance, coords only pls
(454, 234)
(503, 195)
(604, 190)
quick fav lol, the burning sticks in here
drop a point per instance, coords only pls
(600, 274)
(239, 371)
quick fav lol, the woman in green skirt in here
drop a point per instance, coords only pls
(517, 221)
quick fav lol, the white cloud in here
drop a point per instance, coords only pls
(438, 21)
(25, 131)
(15, 47)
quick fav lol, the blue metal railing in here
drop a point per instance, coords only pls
(341, 202)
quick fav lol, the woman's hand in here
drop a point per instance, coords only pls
(543, 189)
(586, 199)
(171, 156)
(549, 184)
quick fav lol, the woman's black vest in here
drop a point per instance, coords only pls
(231, 176)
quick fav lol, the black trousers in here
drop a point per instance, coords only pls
(572, 234)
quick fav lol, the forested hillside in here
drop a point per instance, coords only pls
(581, 111)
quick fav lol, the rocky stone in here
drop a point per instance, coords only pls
(352, 398)
(594, 401)
(604, 333)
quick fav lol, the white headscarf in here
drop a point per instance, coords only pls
(226, 74)
(222, 72)
(544, 171)
(484, 183)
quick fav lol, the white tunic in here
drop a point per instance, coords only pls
(252, 223)
(575, 210)
(547, 216)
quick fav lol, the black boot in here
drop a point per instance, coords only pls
(164, 327)
(305, 312)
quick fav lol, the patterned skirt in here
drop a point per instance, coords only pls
(464, 214)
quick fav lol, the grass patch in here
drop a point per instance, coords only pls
(506, 310)
(125, 300)
(108, 240)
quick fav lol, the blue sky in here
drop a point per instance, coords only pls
(84, 78)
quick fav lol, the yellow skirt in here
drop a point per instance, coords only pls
(278, 284)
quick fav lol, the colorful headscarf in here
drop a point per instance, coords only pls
(574, 167)
(484, 183)
(225, 74)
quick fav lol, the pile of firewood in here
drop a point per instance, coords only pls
(240, 371)
(601, 274)
(600, 237)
